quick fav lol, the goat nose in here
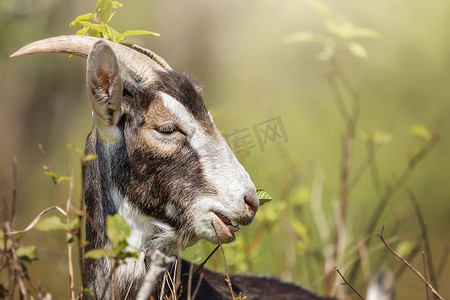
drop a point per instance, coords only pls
(251, 202)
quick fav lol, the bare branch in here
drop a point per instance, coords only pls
(424, 260)
(392, 189)
(69, 244)
(49, 169)
(191, 268)
(14, 192)
(17, 266)
(199, 267)
(380, 235)
(157, 267)
(426, 240)
(348, 284)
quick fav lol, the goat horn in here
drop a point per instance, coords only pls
(140, 61)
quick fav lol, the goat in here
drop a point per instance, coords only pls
(161, 164)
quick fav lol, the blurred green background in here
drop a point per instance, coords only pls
(236, 49)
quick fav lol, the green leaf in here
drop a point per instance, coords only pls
(101, 28)
(420, 131)
(123, 255)
(74, 224)
(89, 157)
(119, 247)
(104, 8)
(98, 253)
(69, 238)
(63, 178)
(88, 292)
(344, 29)
(112, 34)
(357, 50)
(2, 242)
(83, 31)
(116, 4)
(76, 149)
(53, 175)
(50, 223)
(111, 16)
(263, 196)
(86, 17)
(117, 229)
(135, 32)
(27, 253)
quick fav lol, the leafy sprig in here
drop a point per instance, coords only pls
(340, 35)
(117, 230)
(97, 24)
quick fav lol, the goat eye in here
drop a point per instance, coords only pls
(167, 128)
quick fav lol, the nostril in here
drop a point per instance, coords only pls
(251, 202)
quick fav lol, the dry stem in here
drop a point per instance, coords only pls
(380, 235)
(426, 240)
(424, 260)
(348, 284)
(69, 244)
(227, 280)
(157, 267)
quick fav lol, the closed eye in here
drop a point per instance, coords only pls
(167, 128)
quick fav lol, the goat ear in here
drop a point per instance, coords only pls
(104, 86)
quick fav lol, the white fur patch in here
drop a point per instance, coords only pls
(221, 168)
(171, 210)
(141, 231)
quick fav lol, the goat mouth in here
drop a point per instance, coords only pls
(226, 227)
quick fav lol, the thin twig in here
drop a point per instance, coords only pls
(401, 181)
(198, 286)
(38, 218)
(79, 236)
(348, 284)
(132, 281)
(426, 240)
(49, 169)
(443, 261)
(163, 287)
(17, 266)
(14, 191)
(368, 162)
(346, 158)
(69, 244)
(178, 277)
(424, 260)
(191, 268)
(199, 267)
(380, 235)
(410, 257)
(392, 189)
(227, 280)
